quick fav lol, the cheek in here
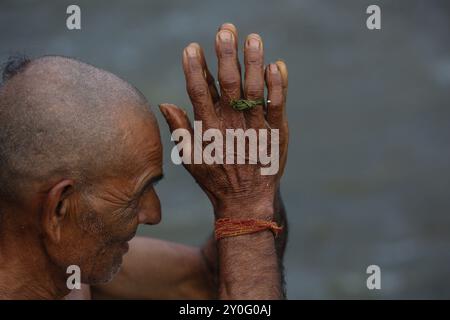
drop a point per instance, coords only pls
(106, 251)
(76, 247)
(110, 225)
(94, 242)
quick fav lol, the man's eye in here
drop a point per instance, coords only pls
(146, 190)
(132, 206)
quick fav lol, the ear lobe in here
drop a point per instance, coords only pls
(55, 209)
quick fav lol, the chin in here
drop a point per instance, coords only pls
(105, 277)
(106, 273)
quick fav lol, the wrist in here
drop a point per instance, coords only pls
(246, 209)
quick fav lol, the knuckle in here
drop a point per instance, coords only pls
(230, 81)
(227, 51)
(194, 66)
(255, 90)
(275, 101)
(276, 83)
(254, 60)
(197, 89)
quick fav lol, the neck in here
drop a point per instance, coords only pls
(26, 272)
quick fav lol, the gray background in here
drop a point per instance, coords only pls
(368, 171)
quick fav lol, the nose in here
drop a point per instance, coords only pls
(149, 208)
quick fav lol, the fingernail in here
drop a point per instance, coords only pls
(191, 51)
(273, 68)
(227, 24)
(225, 36)
(163, 109)
(254, 43)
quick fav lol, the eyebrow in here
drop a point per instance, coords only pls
(150, 182)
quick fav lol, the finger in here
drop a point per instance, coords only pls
(208, 76)
(229, 71)
(277, 84)
(284, 77)
(275, 108)
(254, 79)
(196, 84)
(230, 27)
(177, 118)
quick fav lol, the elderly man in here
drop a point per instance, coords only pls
(80, 152)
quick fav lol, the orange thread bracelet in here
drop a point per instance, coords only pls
(227, 227)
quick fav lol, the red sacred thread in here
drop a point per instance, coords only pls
(227, 227)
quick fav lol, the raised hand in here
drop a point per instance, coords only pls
(236, 190)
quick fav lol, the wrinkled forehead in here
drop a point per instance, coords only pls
(141, 141)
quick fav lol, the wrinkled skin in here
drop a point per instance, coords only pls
(108, 214)
(239, 190)
(234, 187)
(66, 226)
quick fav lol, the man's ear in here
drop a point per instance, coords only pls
(55, 209)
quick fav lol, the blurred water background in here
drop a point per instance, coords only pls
(368, 176)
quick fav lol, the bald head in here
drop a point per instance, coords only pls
(62, 117)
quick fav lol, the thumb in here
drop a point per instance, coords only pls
(175, 117)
